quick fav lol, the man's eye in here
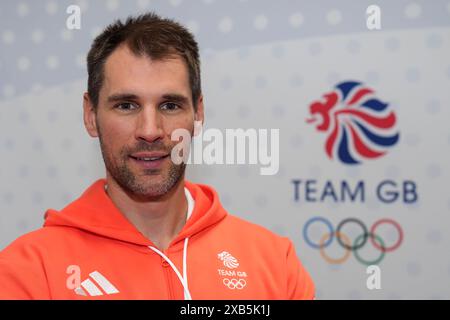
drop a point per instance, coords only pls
(169, 106)
(126, 106)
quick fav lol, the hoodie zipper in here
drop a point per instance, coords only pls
(168, 277)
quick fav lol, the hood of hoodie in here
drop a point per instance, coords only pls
(94, 212)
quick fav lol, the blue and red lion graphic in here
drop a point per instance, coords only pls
(358, 125)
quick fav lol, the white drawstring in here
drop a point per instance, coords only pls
(187, 294)
(183, 279)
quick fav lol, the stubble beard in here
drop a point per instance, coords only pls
(152, 183)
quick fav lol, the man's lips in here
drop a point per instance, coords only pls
(152, 160)
(149, 156)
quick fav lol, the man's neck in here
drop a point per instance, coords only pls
(159, 219)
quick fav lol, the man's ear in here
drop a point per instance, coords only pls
(199, 116)
(89, 116)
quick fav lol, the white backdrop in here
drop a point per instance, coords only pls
(262, 68)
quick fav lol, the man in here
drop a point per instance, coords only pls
(144, 232)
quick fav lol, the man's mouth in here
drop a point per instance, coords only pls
(149, 158)
(149, 155)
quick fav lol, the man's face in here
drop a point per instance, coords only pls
(140, 103)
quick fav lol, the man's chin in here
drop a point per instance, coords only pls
(148, 183)
(151, 186)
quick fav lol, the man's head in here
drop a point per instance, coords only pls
(146, 35)
(144, 83)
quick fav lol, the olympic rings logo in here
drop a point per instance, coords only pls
(359, 242)
(234, 283)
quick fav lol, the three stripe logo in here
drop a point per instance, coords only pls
(95, 286)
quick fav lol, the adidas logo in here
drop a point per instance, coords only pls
(98, 286)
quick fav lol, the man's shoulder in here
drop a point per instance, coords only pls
(32, 241)
(250, 229)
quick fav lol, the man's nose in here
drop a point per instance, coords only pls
(149, 124)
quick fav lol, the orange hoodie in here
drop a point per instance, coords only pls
(89, 250)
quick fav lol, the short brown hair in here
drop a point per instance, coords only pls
(147, 34)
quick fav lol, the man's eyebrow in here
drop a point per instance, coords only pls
(175, 97)
(122, 97)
